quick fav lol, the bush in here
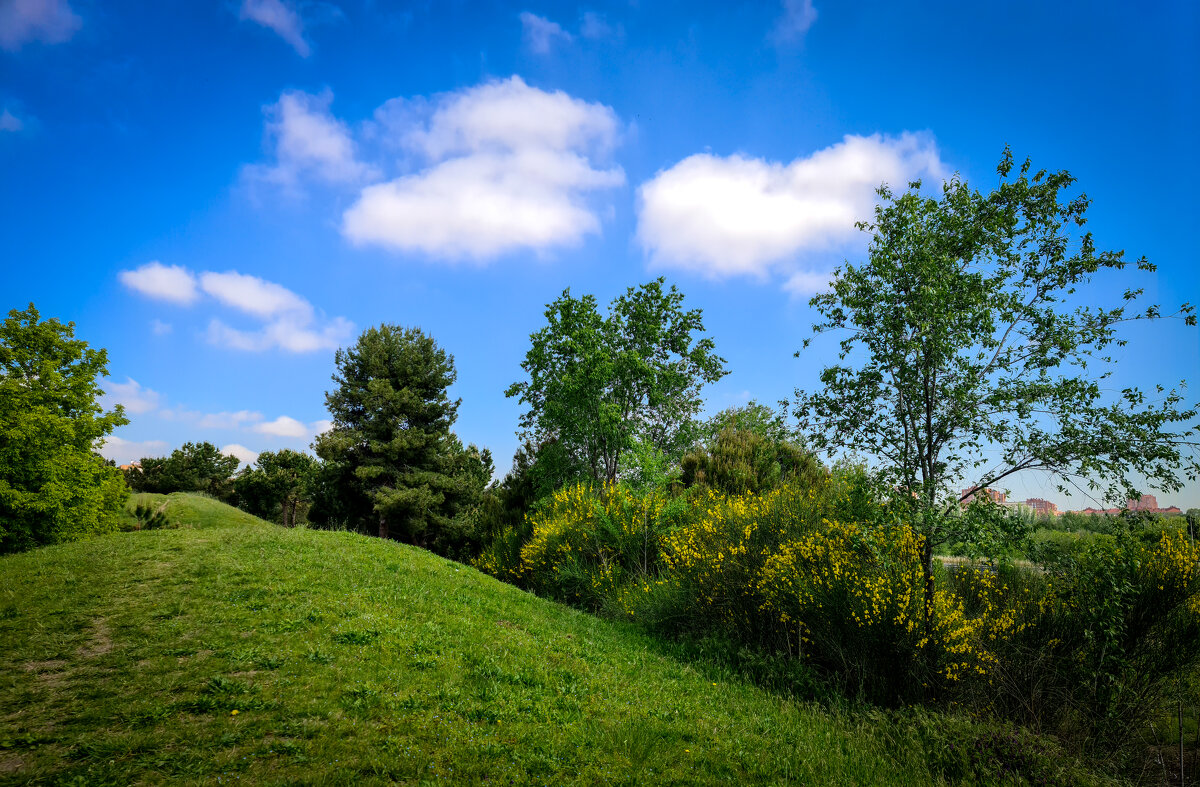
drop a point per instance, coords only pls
(1100, 637)
(585, 544)
(829, 578)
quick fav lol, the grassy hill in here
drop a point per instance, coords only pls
(231, 650)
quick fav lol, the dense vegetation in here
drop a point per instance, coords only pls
(730, 536)
(224, 649)
(53, 487)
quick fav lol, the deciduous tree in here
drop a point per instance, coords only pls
(53, 486)
(598, 383)
(278, 484)
(193, 467)
(965, 332)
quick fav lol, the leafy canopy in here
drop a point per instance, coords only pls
(193, 467)
(53, 487)
(963, 333)
(277, 485)
(598, 385)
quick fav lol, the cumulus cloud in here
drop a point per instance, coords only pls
(283, 426)
(540, 33)
(308, 141)
(509, 167)
(228, 420)
(241, 452)
(131, 395)
(167, 282)
(286, 320)
(726, 216)
(48, 21)
(281, 18)
(10, 122)
(797, 17)
(124, 451)
(253, 295)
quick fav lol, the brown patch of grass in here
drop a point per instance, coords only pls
(11, 763)
(101, 641)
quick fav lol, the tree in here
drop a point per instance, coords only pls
(748, 450)
(277, 485)
(53, 487)
(596, 384)
(964, 318)
(390, 456)
(193, 467)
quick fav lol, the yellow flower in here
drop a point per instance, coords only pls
(233, 712)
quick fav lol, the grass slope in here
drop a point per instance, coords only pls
(232, 650)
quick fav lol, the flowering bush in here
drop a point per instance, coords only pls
(827, 575)
(586, 543)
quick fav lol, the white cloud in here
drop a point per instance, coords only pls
(725, 216)
(124, 451)
(507, 115)
(131, 395)
(253, 295)
(289, 322)
(10, 122)
(541, 33)
(322, 426)
(797, 17)
(228, 420)
(509, 168)
(283, 426)
(594, 25)
(286, 333)
(244, 454)
(279, 17)
(49, 21)
(309, 140)
(807, 282)
(167, 282)
(160, 328)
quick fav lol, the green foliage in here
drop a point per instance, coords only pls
(53, 487)
(356, 661)
(1100, 637)
(193, 467)
(588, 546)
(391, 464)
(597, 385)
(150, 517)
(961, 316)
(741, 458)
(278, 486)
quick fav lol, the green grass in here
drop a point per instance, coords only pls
(231, 650)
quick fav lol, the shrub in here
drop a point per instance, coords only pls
(585, 543)
(1100, 636)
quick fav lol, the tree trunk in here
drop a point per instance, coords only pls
(383, 527)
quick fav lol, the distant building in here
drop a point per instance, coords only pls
(968, 496)
(1042, 507)
(1147, 504)
(1143, 503)
(131, 466)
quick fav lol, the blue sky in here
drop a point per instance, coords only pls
(221, 193)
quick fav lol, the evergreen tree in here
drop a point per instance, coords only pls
(391, 463)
